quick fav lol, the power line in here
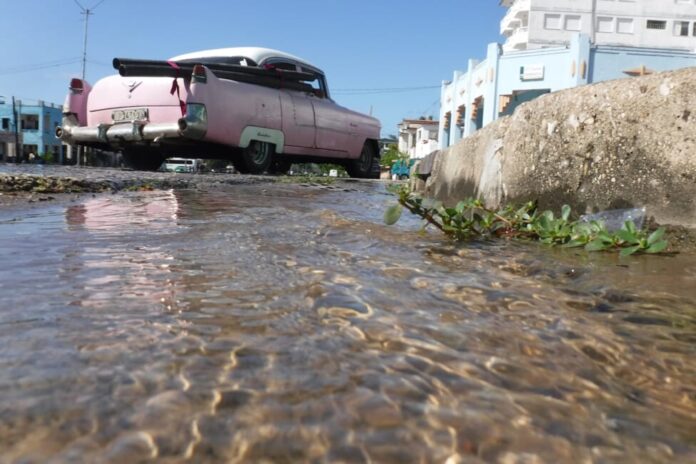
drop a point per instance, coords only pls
(39, 66)
(432, 106)
(98, 3)
(101, 63)
(384, 90)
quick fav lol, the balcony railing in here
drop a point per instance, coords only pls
(517, 41)
(517, 12)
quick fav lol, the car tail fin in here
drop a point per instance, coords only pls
(77, 85)
(199, 75)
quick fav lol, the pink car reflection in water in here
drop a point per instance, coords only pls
(144, 269)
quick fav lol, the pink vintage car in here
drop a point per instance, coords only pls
(260, 108)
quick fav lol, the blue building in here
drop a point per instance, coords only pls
(27, 129)
(558, 45)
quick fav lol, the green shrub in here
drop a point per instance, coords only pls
(471, 219)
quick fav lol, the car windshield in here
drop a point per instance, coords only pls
(236, 60)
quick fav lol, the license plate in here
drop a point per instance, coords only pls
(133, 114)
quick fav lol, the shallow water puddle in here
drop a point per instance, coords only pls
(286, 323)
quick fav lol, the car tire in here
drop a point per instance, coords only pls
(366, 166)
(403, 177)
(254, 159)
(142, 159)
(280, 166)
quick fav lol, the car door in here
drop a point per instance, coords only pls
(298, 120)
(333, 125)
(297, 109)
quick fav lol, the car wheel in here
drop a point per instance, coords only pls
(403, 177)
(255, 159)
(366, 166)
(142, 159)
(280, 166)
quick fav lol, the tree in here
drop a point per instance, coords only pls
(391, 155)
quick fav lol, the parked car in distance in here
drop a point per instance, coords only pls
(260, 108)
(401, 169)
(182, 165)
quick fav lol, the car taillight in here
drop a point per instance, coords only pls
(76, 85)
(199, 74)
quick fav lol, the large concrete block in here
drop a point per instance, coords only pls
(616, 144)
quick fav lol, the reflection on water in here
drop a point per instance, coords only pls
(285, 324)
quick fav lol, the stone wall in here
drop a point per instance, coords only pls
(616, 144)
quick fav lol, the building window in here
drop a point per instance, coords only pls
(552, 21)
(5, 123)
(605, 24)
(681, 28)
(572, 23)
(29, 122)
(624, 25)
(694, 30)
(655, 24)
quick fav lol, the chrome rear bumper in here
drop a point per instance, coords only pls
(193, 125)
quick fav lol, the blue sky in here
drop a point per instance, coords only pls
(360, 44)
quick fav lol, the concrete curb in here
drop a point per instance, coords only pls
(616, 144)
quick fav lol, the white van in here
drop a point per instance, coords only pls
(182, 165)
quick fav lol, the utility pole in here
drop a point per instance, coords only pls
(87, 12)
(16, 130)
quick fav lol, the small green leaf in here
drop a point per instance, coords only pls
(392, 214)
(656, 236)
(582, 229)
(565, 212)
(627, 236)
(630, 226)
(629, 251)
(604, 236)
(657, 247)
(431, 204)
(596, 245)
(574, 243)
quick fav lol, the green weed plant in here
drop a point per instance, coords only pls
(471, 219)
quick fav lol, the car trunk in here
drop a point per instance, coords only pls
(117, 99)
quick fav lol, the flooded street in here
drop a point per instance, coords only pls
(286, 323)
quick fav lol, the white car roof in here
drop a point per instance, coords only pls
(258, 54)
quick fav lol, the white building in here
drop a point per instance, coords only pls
(418, 137)
(553, 45)
(531, 24)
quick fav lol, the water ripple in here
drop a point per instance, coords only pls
(286, 323)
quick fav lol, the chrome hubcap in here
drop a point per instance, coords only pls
(260, 153)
